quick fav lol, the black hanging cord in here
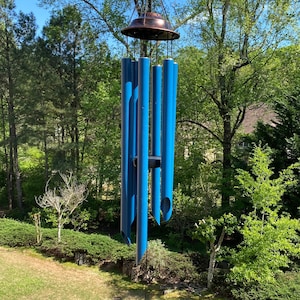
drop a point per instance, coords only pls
(165, 11)
(149, 8)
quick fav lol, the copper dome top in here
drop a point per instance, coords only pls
(150, 26)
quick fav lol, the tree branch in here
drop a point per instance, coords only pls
(220, 241)
(211, 23)
(185, 20)
(224, 19)
(109, 26)
(212, 96)
(239, 120)
(202, 126)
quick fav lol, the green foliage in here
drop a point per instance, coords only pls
(186, 211)
(33, 184)
(194, 199)
(103, 135)
(208, 229)
(96, 247)
(80, 218)
(161, 265)
(50, 217)
(264, 190)
(266, 249)
(33, 173)
(285, 286)
(16, 234)
(30, 157)
(212, 232)
(270, 238)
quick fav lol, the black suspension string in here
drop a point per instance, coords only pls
(167, 48)
(164, 10)
(156, 52)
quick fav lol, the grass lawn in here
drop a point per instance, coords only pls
(25, 274)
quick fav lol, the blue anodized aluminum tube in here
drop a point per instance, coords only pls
(142, 157)
(126, 94)
(132, 171)
(173, 133)
(167, 157)
(156, 139)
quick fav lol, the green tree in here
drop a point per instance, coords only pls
(285, 101)
(212, 231)
(16, 34)
(112, 16)
(80, 85)
(102, 136)
(236, 39)
(269, 235)
(108, 16)
(66, 38)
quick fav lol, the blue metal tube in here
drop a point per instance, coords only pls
(167, 157)
(175, 77)
(173, 133)
(156, 139)
(132, 171)
(142, 157)
(126, 93)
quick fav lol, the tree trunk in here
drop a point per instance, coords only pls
(211, 266)
(59, 227)
(46, 165)
(214, 249)
(9, 185)
(74, 108)
(12, 125)
(226, 172)
(14, 145)
(10, 177)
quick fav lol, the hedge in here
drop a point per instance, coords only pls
(95, 247)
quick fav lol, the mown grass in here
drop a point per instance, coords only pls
(25, 274)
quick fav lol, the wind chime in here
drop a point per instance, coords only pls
(138, 77)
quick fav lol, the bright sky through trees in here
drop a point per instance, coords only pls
(27, 6)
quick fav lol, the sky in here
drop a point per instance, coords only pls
(27, 6)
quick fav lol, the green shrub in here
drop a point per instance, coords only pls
(161, 265)
(286, 286)
(95, 247)
(16, 234)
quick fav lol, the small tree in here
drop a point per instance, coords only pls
(213, 231)
(269, 236)
(63, 200)
(36, 217)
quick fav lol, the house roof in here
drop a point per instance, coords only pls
(255, 113)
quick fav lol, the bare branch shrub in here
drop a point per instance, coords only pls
(64, 200)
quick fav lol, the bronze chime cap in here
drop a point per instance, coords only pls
(150, 26)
